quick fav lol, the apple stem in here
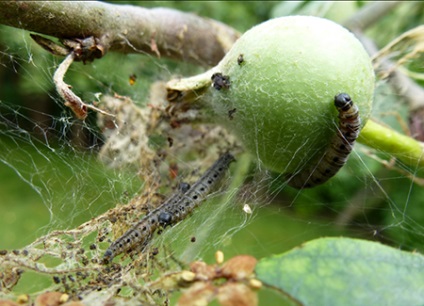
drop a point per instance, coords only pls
(382, 138)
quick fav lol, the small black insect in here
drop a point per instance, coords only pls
(220, 81)
(340, 146)
(240, 59)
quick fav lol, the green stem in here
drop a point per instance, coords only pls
(404, 148)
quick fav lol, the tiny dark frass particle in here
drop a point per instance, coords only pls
(231, 113)
(132, 79)
(220, 81)
(170, 141)
(240, 59)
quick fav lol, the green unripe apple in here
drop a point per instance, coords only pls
(275, 88)
(282, 78)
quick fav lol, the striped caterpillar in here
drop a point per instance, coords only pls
(173, 210)
(338, 152)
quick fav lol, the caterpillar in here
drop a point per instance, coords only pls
(340, 147)
(173, 210)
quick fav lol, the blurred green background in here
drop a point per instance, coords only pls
(51, 179)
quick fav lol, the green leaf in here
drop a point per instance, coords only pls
(344, 271)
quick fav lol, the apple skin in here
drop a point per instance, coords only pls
(281, 78)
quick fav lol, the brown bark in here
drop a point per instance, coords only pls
(125, 28)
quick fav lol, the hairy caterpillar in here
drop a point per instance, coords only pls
(173, 210)
(338, 152)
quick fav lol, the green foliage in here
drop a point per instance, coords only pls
(342, 271)
(42, 190)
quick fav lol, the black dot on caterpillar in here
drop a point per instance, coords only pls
(165, 218)
(174, 209)
(340, 147)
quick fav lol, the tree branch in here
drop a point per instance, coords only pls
(125, 28)
(370, 14)
(401, 84)
(412, 92)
